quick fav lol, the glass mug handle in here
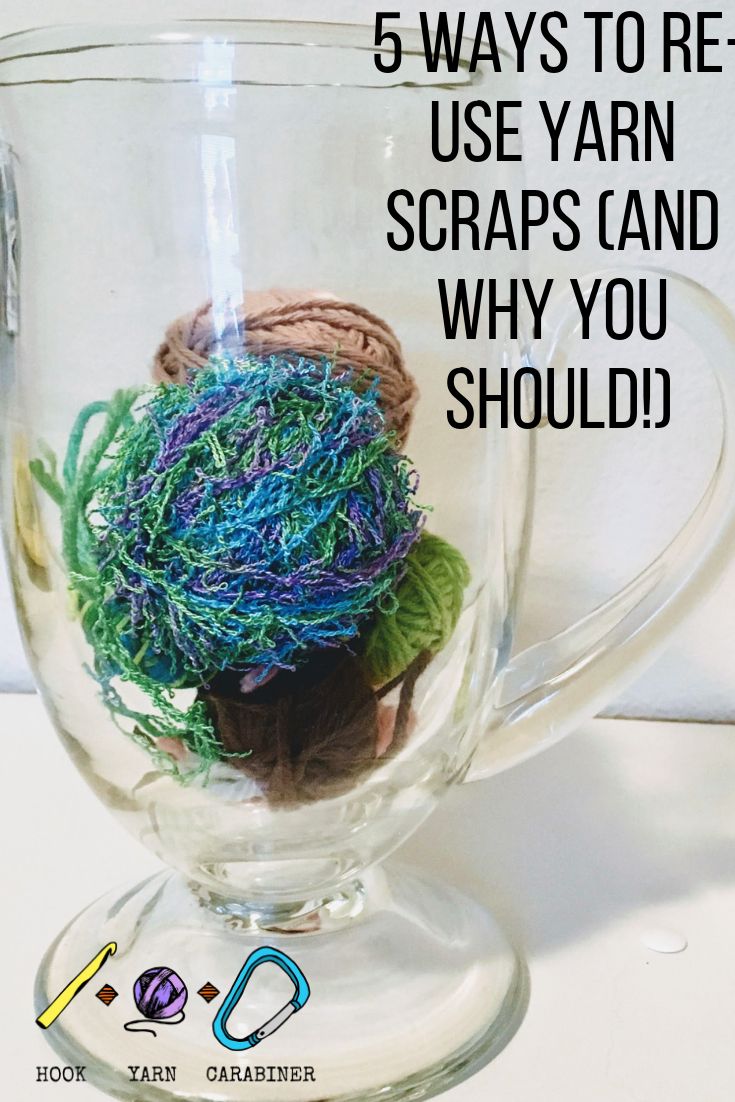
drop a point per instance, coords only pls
(550, 687)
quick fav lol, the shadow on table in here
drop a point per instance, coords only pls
(619, 816)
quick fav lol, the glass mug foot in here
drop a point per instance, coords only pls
(414, 988)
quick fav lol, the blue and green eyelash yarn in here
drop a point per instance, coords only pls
(245, 519)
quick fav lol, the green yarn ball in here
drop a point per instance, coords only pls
(428, 604)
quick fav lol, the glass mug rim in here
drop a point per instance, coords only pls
(55, 40)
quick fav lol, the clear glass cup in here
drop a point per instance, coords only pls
(145, 173)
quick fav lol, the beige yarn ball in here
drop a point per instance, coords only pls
(311, 324)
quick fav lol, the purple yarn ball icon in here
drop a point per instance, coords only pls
(160, 994)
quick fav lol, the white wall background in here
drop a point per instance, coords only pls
(607, 502)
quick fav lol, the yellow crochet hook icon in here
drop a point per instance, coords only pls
(74, 986)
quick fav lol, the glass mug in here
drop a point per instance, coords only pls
(158, 183)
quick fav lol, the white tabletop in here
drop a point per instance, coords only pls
(624, 829)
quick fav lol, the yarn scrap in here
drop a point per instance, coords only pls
(243, 520)
(290, 324)
(426, 610)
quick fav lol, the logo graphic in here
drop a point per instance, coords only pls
(301, 994)
(160, 995)
(62, 1000)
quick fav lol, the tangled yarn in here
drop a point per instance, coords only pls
(297, 324)
(243, 519)
(253, 514)
(427, 607)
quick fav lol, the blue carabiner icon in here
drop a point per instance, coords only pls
(256, 958)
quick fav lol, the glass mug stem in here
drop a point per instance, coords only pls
(322, 914)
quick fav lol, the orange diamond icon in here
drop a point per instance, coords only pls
(107, 994)
(208, 992)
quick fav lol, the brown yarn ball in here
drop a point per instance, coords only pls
(311, 324)
(312, 733)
